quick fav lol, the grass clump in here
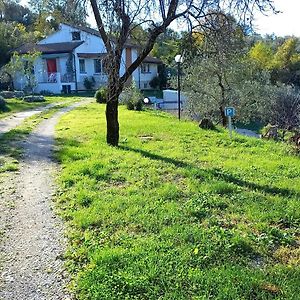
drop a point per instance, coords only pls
(182, 214)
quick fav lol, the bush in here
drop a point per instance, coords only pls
(89, 83)
(2, 104)
(154, 82)
(101, 95)
(132, 98)
(7, 94)
(19, 94)
(46, 93)
(285, 109)
(34, 99)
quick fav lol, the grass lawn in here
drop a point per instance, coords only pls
(177, 212)
(15, 105)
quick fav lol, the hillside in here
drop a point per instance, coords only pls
(177, 212)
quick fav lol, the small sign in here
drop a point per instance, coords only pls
(229, 111)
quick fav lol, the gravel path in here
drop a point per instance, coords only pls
(33, 245)
(16, 119)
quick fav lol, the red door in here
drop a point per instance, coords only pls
(52, 69)
(51, 65)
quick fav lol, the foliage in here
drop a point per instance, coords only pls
(283, 62)
(3, 106)
(7, 94)
(210, 89)
(34, 98)
(132, 97)
(154, 82)
(11, 11)
(220, 75)
(19, 94)
(183, 213)
(262, 54)
(23, 65)
(167, 46)
(13, 35)
(89, 83)
(101, 95)
(285, 109)
(60, 11)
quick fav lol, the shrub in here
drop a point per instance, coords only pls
(154, 82)
(101, 95)
(132, 98)
(46, 93)
(34, 99)
(19, 94)
(7, 94)
(285, 109)
(89, 83)
(2, 104)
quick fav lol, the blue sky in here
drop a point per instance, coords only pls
(285, 23)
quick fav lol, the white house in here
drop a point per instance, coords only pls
(74, 54)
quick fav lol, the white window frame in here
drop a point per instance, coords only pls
(101, 66)
(82, 71)
(145, 68)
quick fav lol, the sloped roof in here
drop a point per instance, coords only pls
(129, 43)
(65, 47)
(91, 55)
(152, 60)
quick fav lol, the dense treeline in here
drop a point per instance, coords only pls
(19, 24)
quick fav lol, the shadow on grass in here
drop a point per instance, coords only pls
(216, 173)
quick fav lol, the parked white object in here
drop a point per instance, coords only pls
(170, 100)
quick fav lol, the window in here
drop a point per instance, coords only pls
(76, 36)
(82, 66)
(97, 66)
(145, 68)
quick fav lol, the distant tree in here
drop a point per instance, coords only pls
(12, 11)
(72, 11)
(167, 46)
(282, 59)
(13, 35)
(262, 54)
(23, 65)
(284, 109)
(218, 73)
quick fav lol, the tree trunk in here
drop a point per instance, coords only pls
(224, 119)
(112, 123)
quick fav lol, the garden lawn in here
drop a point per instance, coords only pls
(16, 105)
(177, 212)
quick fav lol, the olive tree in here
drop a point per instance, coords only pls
(116, 20)
(219, 72)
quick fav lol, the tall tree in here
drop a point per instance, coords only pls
(117, 18)
(73, 11)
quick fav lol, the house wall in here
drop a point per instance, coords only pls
(145, 78)
(92, 44)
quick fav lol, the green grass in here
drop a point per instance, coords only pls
(177, 212)
(16, 105)
(9, 148)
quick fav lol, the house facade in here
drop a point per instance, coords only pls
(74, 55)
